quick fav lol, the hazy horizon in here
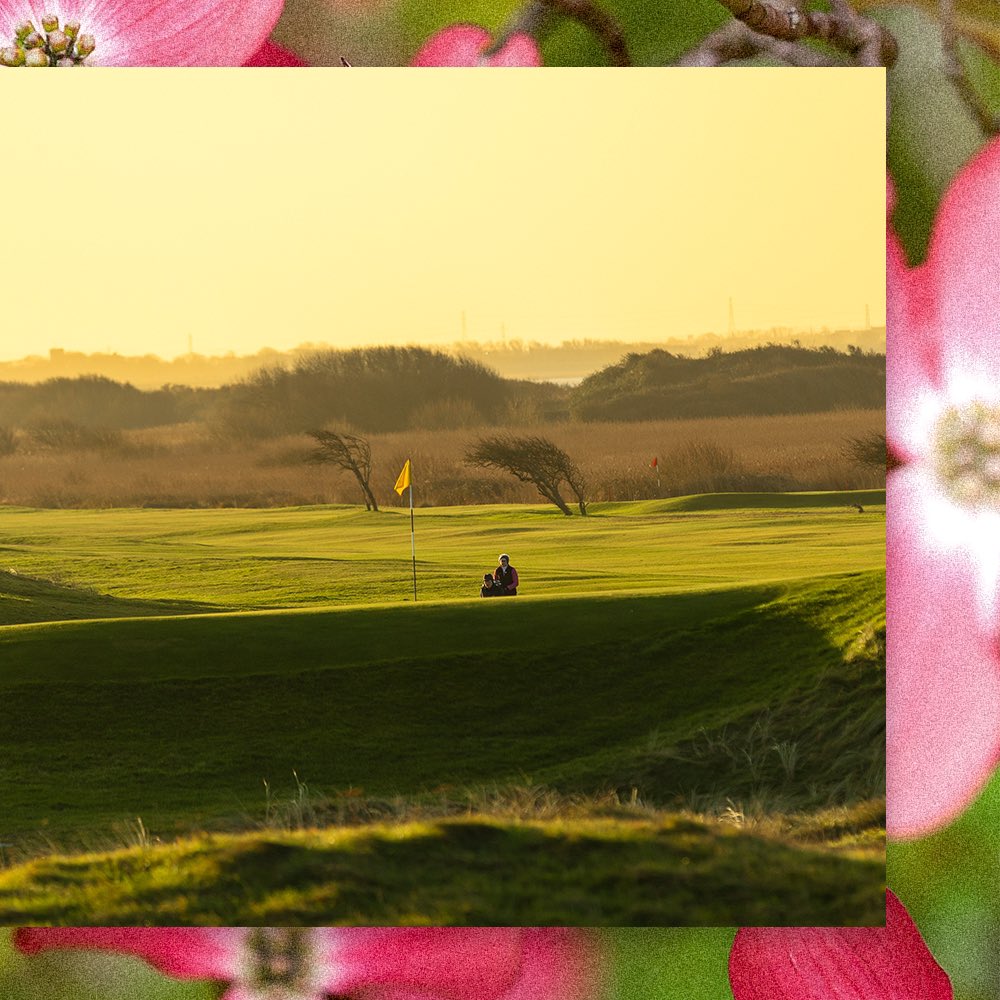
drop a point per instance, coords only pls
(817, 332)
(566, 363)
(528, 202)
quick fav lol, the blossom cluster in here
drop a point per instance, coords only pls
(943, 601)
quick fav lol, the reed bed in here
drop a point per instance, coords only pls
(187, 466)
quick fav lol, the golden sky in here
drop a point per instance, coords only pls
(253, 208)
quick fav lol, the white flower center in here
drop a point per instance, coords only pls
(966, 454)
(52, 45)
(281, 964)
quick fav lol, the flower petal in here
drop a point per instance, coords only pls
(191, 32)
(837, 963)
(182, 952)
(912, 361)
(506, 963)
(520, 50)
(158, 32)
(963, 267)
(557, 964)
(463, 45)
(272, 54)
(943, 673)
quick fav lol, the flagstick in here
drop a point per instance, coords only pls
(413, 543)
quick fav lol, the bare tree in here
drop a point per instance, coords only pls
(348, 452)
(870, 450)
(533, 460)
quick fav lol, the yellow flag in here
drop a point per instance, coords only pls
(404, 479)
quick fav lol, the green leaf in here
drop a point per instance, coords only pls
(978, 19)
(948, 882)
(932, 132)
(671, 964)
(657, 33)
(983, 73)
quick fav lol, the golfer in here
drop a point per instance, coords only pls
(506, 577)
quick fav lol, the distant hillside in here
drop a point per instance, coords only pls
(772, 379)
(573, 360)
(385, 389)
(570, 360)
(92, 401)
(371, 389)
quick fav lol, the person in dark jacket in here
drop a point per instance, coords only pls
(490, 587)
(506, 577)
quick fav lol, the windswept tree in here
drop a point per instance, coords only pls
(533, 460)
(869, 450)
(348, 452)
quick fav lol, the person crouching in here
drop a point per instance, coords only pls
(506, 577)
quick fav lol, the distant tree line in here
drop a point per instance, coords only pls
(760, 381)
(371, 389)
(96, 401)
(381, 389)
(513, 358)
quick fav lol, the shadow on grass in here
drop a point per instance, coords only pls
(25, 599)
(596, 873)
(185, 752)
(665, 694)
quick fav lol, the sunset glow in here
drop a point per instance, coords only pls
(236, 210)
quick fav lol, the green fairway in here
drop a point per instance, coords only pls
(305, 557)
(662, 650)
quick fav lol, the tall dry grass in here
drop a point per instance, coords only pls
(185, 466)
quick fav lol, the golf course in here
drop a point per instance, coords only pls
(242, 716)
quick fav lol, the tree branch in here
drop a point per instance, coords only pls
(532, 459)
(865, 41)
(350, 453)
(734, 40)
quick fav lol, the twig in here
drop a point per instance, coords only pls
(535, 16)
(734, 40)
(600, 22)
(955, 71)
(946, 9)
(867, 42)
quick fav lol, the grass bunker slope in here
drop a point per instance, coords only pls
(703, 637)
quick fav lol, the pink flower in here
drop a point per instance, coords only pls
(272, 54)
(464, 44)
(427, 963)
(837, 963)
(135, 32)
(943, 530)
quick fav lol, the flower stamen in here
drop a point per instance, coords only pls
(282, 963)
(967, 454)
(63, 46)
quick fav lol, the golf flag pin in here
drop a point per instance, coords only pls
(404, 479)
(655, 464)
(405, 482)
